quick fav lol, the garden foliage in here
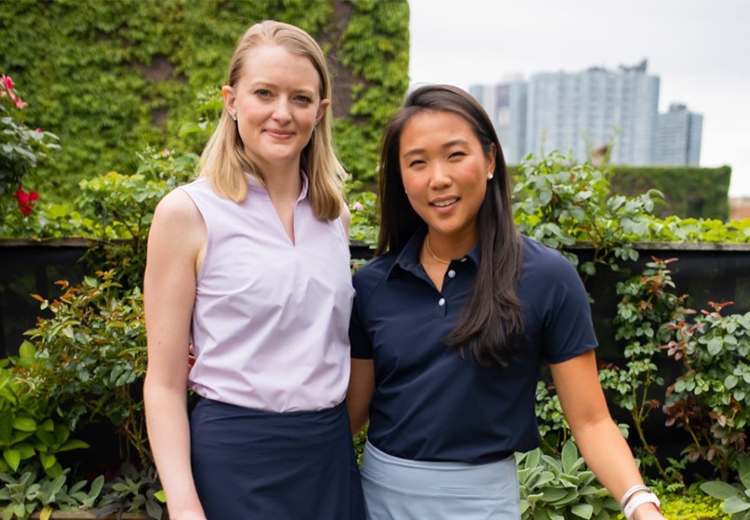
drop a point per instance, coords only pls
(126, 72)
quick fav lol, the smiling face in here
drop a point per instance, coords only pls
(444, 171)
(277, 104)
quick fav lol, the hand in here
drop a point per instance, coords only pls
(648, 512)
(191, 358)
(189, 515)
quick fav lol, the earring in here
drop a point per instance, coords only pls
(234, 117)
(490, 175)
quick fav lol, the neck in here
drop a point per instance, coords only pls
(285, 184)
(443, 249)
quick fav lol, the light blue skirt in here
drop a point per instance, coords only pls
(400, 489)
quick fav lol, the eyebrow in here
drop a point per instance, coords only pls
(268, 84)
(445, 146)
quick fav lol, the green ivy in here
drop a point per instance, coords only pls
(113, 77)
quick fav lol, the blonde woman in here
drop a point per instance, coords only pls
(250, 265)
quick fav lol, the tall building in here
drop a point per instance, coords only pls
(679, 134)
(506, 105)
(485, 94)
(575, 113)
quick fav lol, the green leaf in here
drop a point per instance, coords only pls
(720, 490)
(583, 510)
(735, 505)
(24, 424)
(74, 444)
(569, 456)
(13, 458)
(47, 460)
(715, 345)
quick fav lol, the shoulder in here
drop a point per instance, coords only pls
(178, 222)
(545, 269)
(176, 206)
(371, 275)
(541, 259)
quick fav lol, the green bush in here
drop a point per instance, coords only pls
(736, 499)
(556, 488)
(688, 192)
(86, 357)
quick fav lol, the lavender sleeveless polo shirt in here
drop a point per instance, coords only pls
(271, 317)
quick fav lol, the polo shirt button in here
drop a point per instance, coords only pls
(441, 301)
(451, 274)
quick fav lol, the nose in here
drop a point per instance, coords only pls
(281, 111)
(440, 175)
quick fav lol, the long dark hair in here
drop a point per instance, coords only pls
(491, 326)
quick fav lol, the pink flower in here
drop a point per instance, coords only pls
(357, 206)
(39, 131)
(7, 81)
(165, 151)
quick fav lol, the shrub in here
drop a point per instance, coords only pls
(558, 488)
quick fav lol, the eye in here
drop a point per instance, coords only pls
(456, 154)
(305, 100)
(416, 163)
(263, 93)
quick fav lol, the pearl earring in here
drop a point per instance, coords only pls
(490, 175)
(234, 117)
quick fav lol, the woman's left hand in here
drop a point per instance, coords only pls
(648, 512)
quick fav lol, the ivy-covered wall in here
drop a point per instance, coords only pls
(113, 77)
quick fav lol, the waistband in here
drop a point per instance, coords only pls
(435, 478)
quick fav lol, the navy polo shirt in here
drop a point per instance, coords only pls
(431, 402)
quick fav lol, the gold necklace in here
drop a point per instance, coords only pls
(427, 245)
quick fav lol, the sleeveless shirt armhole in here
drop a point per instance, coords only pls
(207, 252)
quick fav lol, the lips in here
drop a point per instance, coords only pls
(280, 134)
(443, 203)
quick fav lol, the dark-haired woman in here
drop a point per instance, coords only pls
(451, 323)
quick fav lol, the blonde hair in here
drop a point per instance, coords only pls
(224, 160)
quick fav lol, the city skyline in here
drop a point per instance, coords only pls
(697, 47)
(577, 113)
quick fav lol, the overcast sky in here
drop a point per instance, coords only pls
(700, 49)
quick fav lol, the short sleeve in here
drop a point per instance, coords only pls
(360, 342)
(568, 330)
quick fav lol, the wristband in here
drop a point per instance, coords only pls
(629, 494)
(637, 501)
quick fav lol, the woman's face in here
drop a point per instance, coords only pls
(277, 104)
(445, 172)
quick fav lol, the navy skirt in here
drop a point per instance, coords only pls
(254, 464)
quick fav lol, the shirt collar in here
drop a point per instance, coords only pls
(408, 258)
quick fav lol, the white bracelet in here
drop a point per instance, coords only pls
(630, 492)
(637, 501)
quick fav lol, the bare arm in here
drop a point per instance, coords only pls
(346, 219)
(175, 245)
(601, 443)
(359, 395)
